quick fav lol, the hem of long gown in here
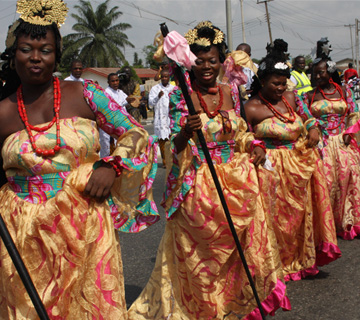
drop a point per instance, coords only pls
(327, 252)
(277, 299)
(350, 235)
(296, 276)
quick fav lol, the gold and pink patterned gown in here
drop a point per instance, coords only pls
(68, 242)
(298, 199)
(341, 163)
(198, 272)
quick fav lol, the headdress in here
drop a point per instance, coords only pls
(38, 12)
(275, 61)
(194, 36)
(323, 49)
(277, 66)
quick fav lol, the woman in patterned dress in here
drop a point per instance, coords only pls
(198, 272)
(298, 200)
(332, 109)
(61, 204)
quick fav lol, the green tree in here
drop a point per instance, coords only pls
(133, 72)
(149, 60)
(138, 63)
(67, 57)
(97, 39)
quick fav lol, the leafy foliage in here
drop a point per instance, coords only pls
(67, 58)
(97, 40)
(138, 63)
(149, 53)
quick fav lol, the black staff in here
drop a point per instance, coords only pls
(21, 269)
(190, 105)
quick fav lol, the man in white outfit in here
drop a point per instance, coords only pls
(113, 90)
(120, 97)
(76, 71)
(159, 99)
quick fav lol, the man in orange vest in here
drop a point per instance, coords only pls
(299, 77)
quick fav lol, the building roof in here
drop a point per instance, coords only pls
(141, 72)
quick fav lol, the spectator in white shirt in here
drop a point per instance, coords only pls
(113, 90)
(76, 71)
(159, 99)
(120, 97)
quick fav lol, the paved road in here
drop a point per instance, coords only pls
(334, 294)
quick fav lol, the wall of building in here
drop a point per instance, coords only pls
(92, 76)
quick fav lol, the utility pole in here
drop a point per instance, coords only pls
(242, 20)
(357, 44)
(351, 38)
(229, 24)
(267, 17)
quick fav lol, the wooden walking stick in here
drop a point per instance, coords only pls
(190, 105)
(21, 269)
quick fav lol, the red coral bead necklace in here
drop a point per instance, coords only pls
(203, 103)
(56, 119)
(336, 89)
(325, 94)
(278, 114)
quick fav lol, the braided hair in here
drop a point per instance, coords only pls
(8, 73)
(273, 63)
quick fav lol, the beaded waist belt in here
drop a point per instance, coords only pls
(38, 189)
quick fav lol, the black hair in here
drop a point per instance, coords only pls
(323, 49)
(298, 58)
(75, 61)
(110, 75)
(276, 54)
(209, 33)
(243, 45)
(8, 74)
(334, 75)
(125, 67)
(164, 70)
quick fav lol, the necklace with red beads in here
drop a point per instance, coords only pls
(278, 114)
(204, 105)
(324, 94)
(56, 119)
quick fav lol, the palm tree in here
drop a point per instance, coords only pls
(97, 40)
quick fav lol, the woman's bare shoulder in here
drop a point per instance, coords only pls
(73, 101)
(252, 104)
(10, 121)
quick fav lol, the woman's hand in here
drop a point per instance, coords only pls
(193, 123)
(258, 156)
(313, 137)
(100, 182)
(347, 139)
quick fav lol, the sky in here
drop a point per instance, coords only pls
(299, 22)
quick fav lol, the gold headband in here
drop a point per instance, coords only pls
(192, 35)
(42, 12)
(38, 12)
